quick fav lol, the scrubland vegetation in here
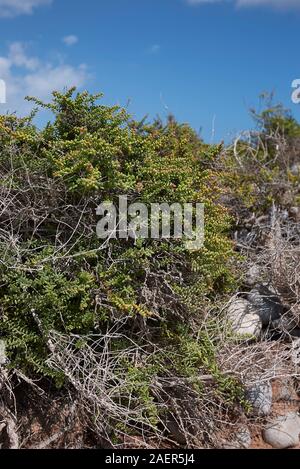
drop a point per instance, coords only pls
(129, 343)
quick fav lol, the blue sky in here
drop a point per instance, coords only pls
(205, 61)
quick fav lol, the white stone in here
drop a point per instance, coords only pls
(243, 321)
(283, 432)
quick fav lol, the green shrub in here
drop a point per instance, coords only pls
(53, 266)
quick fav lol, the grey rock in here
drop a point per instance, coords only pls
(265, 304)
(260, 396)
(252, 275)
(243, 320)
(283, 432)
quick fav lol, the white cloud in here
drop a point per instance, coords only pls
(274, 3)
(17, 57)
(70, 40)
(26, 75)
(154, 49)
(249, 3)
(10, 8)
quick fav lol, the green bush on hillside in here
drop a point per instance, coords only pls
(53, 266)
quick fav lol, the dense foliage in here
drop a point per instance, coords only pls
(57, 277)
(51, 263)
(122, 320)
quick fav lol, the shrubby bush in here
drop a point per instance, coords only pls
(56, 276)
(51, 182)
(135, 331)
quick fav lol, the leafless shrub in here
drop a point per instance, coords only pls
(108, 397)
(257, 362)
